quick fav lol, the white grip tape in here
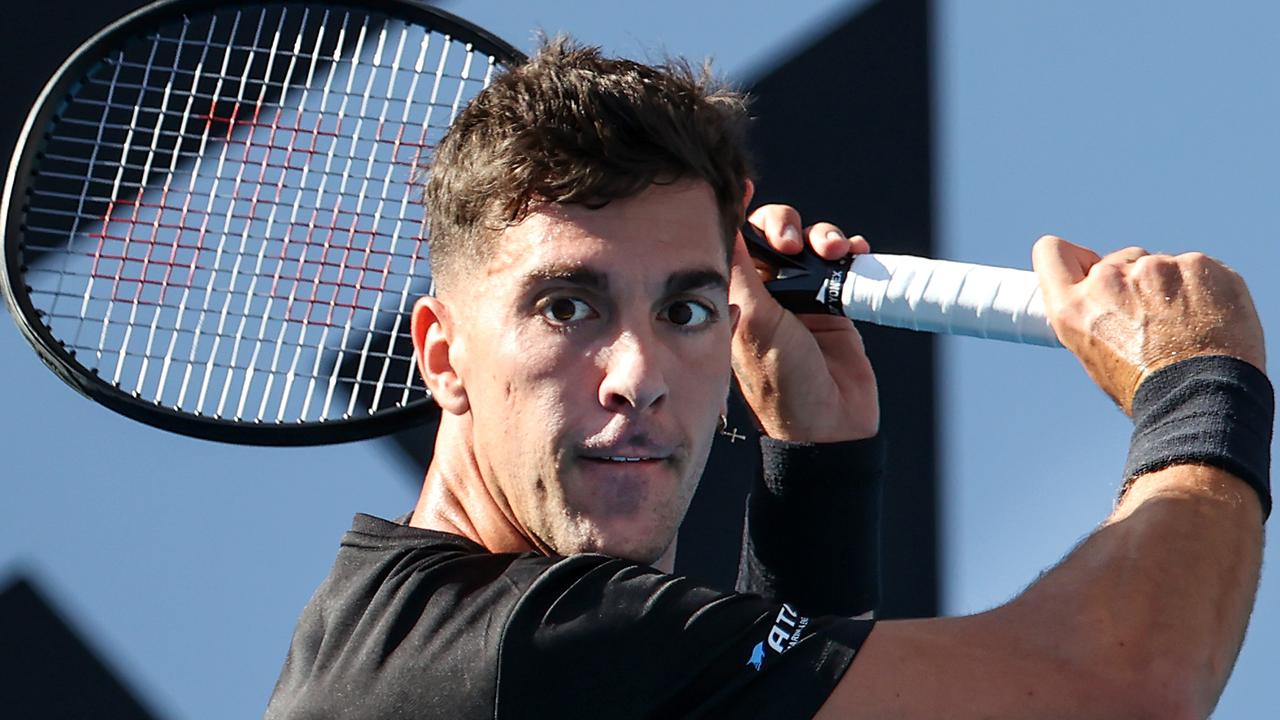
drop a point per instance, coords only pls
(947, 297)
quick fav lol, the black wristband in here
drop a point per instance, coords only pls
(812, 531)
(1208, 410)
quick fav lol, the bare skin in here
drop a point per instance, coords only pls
(534, 406)
(807, 377)
(1145, 618)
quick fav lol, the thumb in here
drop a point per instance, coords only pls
(1059, 265)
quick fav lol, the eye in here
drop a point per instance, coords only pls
(565, 310)
(688, 314)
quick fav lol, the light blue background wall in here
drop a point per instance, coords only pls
(1110, 124)
(186, 563)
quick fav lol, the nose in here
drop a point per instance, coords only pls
(633, 379)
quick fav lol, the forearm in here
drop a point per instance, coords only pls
(1160, 595)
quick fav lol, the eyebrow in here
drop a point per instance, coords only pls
(677, 282)
(573, 275)
(687, 280)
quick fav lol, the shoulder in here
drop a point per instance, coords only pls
(433, 623)
(625, 640)
(406, 616)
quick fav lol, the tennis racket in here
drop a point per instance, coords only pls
(910, 292)
(212, 222)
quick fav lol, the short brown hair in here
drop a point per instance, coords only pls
(573, 126)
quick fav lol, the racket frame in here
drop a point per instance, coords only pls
(13, 211)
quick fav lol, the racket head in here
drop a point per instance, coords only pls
(219, 280)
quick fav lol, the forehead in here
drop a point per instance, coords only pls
(664, 229)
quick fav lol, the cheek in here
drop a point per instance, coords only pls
(712, 364)
(532, 383)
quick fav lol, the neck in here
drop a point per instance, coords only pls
(456, 499)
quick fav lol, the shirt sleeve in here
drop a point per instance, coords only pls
(812, 531)
(595, 636)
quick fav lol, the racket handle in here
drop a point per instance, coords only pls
(947, 297)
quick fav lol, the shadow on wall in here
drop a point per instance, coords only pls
(47, 671)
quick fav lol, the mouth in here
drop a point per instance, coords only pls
(625, 459)
(625, 448)
(624, 456)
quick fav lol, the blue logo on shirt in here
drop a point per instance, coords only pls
(757, 656)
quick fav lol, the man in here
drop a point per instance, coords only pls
(592, 297)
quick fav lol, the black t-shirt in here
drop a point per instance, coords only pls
(424, 624)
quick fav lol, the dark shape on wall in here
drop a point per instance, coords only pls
(36, 38)
(47, 671)
(843, 132)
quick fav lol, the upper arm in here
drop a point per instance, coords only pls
(973, 667)
(657, 645)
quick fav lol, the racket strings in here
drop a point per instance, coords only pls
(246, 235)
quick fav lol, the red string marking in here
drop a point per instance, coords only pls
(355, 260)
(118, 278)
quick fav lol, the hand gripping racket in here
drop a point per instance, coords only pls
(212, 222)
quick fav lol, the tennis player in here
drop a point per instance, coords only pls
(593, 302)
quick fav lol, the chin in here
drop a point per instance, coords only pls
(630, 515)
(645, 553)
(642, 541)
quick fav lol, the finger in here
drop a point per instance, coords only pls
(828, 241)
(780, 226)
(859, 245)
(1060, 264)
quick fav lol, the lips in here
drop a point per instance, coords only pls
(625, 458)
(624, 443)
(632, 451)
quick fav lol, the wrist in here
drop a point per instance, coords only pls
(824, 466)
(1207, 410)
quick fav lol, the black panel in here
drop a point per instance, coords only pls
(712, 532)
(36, 38)
(843, 132)
(46, 671)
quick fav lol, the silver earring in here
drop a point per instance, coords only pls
(733, 435)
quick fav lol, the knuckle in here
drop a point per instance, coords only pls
(1146, 263)
(1199, 263)
(1105, 271)
(1154, 265)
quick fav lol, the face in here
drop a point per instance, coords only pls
(593, 350)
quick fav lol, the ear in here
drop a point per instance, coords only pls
(746, 199)
(433, 342)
